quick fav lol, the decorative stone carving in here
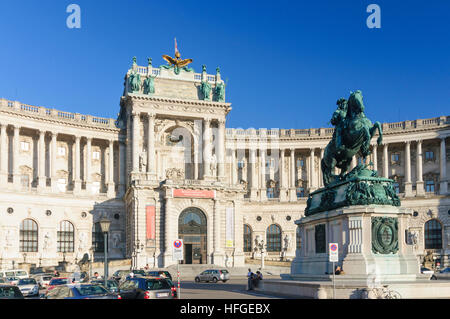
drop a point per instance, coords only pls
(384, 235)
(174, 173)
(244, 184)
(47, 241)
(213, 165)
(82, 242)
(116, 239)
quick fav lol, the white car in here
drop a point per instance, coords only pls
(28, 287)
(43, 280)
(20, 273)
(428, 271)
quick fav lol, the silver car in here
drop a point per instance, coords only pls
(43, 280)
(213, 275)
(444, 274)
(28, 287)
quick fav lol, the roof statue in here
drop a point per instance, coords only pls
(177, 63)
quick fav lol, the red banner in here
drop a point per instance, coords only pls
(150, 222)
(193, 193)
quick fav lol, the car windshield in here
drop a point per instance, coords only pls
(21, 273)
(89, 290)
(224, 271)
(153, 273)
(46, 278)
(9, 274)
(155, 284)
(139, 272)
(9, 292)
(27, 281)
(60, 281)
(109, 283)
(446, 270)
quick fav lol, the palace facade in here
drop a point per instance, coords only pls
(168, 168)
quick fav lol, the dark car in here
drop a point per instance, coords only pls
(10, 292)
(111, 284)
(158, 273)
(172, 287)
(146, 288)
(140, 272)
(80, 291)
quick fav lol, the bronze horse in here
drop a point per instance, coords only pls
(352, 135)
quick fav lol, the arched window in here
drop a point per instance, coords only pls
(273, 238)
(28, 236)
(247, 238)
(66, 237)
(433, 234)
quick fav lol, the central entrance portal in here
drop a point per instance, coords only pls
(192, 230)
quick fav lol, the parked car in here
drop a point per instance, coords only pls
(139, 272)
(14, 273)
(28, 287)
(158, 273)
(3, 281)
(43, 280)
(10, 292)
(172, 287)
(145, 288)
(111, 284)
(57, 281)
(77, 277)
(80, 291)
(120, 275)
(213, 275)
(13, 280)
(427, 271)
(444, 274)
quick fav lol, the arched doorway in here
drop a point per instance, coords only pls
(192, 230)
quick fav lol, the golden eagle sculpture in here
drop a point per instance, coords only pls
(177, 63)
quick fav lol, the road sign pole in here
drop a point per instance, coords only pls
(334, 288)
(178, 280)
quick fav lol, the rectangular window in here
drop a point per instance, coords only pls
(395, 158)
(300, 192)
(300, 162)
(24, 146)
(396, 188)
(61, 151)
(241, 164)
(429, 155)
(96, 155)
(429, 186)
(270, 192)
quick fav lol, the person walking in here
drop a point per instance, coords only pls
(56, 273)
(250, 276)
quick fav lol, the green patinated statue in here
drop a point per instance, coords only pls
(134, 82)
(149, 85)
(352, 135)
(220, 92)
(206, 90)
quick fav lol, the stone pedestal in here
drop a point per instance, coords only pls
(292, 195)
(408, 190)
(371, 242)
(420, 191)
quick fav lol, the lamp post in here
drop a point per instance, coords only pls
(138, 247)
(104, 224)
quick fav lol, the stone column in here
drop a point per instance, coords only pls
(151, 163)
(312, 174)
(111, 186)
(196, 173)
(221, 150)
(263, 186)
(282, 177)
(77, 165)
(443, 169)
(3, 155)
(168, 239)
(322, 151)
(408, 184)
(217, 253)
(375, 157)
(88, 172)
(207, 149)
(420, 190)
(292, 191)
(135, 151)
(16, 146)
(385, 161)
(254, 179)
(53, 166)
(234, 168)
(122, 169)
(42, 179)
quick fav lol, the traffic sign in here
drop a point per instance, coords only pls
(334, 252)
(178, 249)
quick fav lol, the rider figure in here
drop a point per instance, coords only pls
(338, 121)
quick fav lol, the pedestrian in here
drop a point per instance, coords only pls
(250, 276)
(56, 273)
(339, 271)
(146, 267)
(96, 276)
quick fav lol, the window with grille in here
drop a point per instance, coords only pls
(433, 234)
(247, 238)
(273, 238)
(300, 162)
(28, 236)
(300, 192)
(270, 192)
(66, 237)
(429, 155)
(98, 239)
(395, 158)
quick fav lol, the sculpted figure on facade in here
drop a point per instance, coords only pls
(143, 161)
(134, 82)
(82, 242)
(116, 240)
(220, 92)
(213, 165)
(149, 85)
(47, 241)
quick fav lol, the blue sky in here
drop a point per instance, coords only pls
(286, 62)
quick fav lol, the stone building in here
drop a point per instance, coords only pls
(169, 168)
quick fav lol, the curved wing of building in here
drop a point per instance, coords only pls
(168, 168)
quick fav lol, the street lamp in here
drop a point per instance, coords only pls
(104, 225)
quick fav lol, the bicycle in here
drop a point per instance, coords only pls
(383, 293)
